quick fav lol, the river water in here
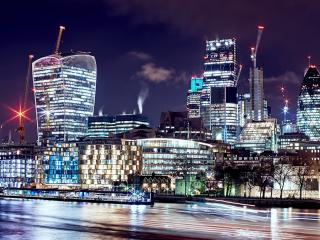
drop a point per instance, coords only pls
(46, 220)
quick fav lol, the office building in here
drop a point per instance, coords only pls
(102, 163)
(178, 125)
(219, 96)
(110, 126)
(176, 157)
(292, 140)
(194, 96)
(17, 166)
(64, 91)
(308, 111)
(244, 109)
(260, 136)
(257, 94)
(60, 164)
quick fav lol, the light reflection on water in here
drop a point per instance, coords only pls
(39, 219)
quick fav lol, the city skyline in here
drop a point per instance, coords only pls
(139, 56)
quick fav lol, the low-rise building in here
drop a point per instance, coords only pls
(17, 165)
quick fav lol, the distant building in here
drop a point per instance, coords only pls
(178, 125)
(292, 140)
(308, 111)
(108, 126)
(176, 157)
(244, 109)
(60, 165)
(260, 136)
(288, 126)
(219, 98)
(256, 93)
(194, 96)
(89, 164)
(103, 163)
(64, 91)
(17, 166)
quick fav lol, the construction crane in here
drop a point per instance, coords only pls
(23, 109)
(61, 29)
(254, 50)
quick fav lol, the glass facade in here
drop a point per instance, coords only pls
(218, 107)
(308, 112)
(175, 157)
(17, 166)
(61, 164)
(103, 163)
(107, 126)
(194, 96)
(64, 90)
(257, 95)
(260, 136)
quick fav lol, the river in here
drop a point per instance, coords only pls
(46, 220)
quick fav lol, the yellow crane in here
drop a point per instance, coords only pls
(61, 29)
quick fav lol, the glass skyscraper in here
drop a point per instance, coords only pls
(219, 96)
(64, 90)
(194, 96)
(308, 112)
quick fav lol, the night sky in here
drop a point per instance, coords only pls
(156, 45)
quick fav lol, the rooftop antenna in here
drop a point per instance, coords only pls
(309, 61)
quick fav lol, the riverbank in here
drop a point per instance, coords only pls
(78, 200)
(239, 201)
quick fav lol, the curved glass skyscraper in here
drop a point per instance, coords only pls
(64, 90)
(308, 112)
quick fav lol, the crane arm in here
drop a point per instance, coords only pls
(260, 30)
(61, 29)
(26, 91)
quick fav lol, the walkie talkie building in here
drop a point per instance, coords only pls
(64, 90)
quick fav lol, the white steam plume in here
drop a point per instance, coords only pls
(143, 94)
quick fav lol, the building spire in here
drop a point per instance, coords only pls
(309, 61)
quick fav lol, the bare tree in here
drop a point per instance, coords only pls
(302, 172)
(282, 173)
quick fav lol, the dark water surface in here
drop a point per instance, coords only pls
(46, 220)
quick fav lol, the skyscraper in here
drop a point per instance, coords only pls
(308, 112)
(219, 98)
(256, 94)
(194, 96)
(256, 83)
(64, 90)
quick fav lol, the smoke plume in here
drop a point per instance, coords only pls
(143, 94)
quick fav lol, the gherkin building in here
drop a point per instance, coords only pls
(308, 112)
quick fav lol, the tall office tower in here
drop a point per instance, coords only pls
(244, 109)
(64, 91)
(256, 93)
(308, 112)
(219, 98)
(194, 96)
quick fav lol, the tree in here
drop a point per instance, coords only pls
(303, 171)
(282, 173)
